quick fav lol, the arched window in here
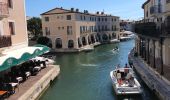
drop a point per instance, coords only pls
(70, 44)
(105, 37)
(113, 35)
(92, 39)
(58, 43)
(84, 41)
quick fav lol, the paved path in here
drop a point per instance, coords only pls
(25, 86)
(151, 78)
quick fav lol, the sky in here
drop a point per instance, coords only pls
(125, 9)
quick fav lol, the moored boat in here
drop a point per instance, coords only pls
(124, 81)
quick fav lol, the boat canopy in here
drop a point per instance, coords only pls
(18, 56)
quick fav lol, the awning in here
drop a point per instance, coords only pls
(19, 56)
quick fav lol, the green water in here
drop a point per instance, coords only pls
(85, 75)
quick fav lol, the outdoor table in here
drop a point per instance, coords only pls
(28, 74)
(14, 85)
(19, 79)
(37, 68)
(2, 93)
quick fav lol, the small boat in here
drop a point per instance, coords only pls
(114, 41)
(125, 84)
(126, 35)
(115, 49)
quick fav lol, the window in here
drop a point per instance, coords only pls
(81, 17)
(10, 4)
(12, 28)
(61, 17)
(68, 17)
(106, 19)
(69, 30)
(47, 31)
(58, 28)
(115, 20)
(102, 19)
(84, 17)
(47, 19)
(99, 19)
(63, 28)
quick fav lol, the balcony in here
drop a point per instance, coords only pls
(156, 9)
(4, 12)
(5, 41)
(147, 29)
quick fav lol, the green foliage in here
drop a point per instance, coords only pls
(44, 41)
(34, 25)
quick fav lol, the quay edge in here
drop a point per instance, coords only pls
(41, 85)
(153, 80)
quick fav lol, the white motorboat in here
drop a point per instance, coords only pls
(114, 41)
(125, 84)
(126, 35)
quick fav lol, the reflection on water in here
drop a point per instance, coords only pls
(85, 76)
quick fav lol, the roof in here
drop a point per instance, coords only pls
(145, 3)
(65, 11)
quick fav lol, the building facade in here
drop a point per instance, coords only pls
(153, 42)
(71, 30)
(13, 31)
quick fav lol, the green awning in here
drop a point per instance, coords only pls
(19, 56)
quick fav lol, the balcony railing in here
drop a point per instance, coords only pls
(147, 29)
(5, 41)
(156, 9)
(4, 12)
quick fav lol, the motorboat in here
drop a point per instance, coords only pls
(115, 49)
(126, 35)
(124, 81)
(114, 41)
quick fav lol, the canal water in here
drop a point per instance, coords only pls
(85, 75)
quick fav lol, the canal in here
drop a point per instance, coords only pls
(85, 75)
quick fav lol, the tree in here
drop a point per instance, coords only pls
(34, 25)
(44, 41)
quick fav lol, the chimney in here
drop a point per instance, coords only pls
(102, 13)
(61, 8)
(72, 9)
(87, 11)
(77, 10)
(97, 12)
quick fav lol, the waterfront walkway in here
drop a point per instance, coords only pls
(154, 81)
(34, 85)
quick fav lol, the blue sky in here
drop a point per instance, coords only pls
(126, 9)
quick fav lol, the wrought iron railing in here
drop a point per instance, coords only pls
(5, 41)
(148, 29)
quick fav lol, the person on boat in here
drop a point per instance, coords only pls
(118, 66)
(126, 70)
(131, 81)
(119, 78)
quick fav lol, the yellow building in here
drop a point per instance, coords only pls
(13, 35)
(153, 42)
(72, 30)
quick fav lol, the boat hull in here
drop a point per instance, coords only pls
(125, 89)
